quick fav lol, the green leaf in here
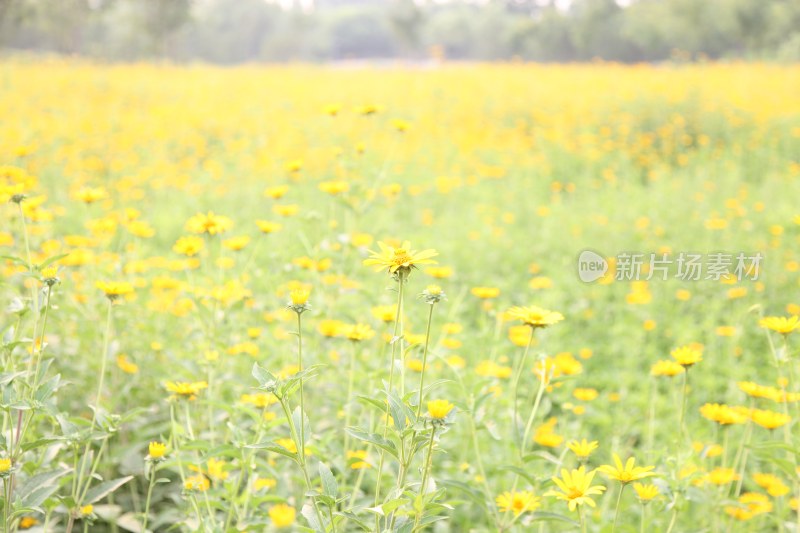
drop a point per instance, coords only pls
(399, 411)
(392, 505)
(523, 473)
(37, 496)
(104, 489)
(13, 259)
(38, 481)
(51, 260)
(272, 447)
(541, 516)
(8, 377)
(264, 377)
(372, 401)
(311, 516)
(329, 485)
(374, 439)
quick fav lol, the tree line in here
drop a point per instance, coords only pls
(236, 31)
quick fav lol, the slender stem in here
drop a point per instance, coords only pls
(517, 376)
(583, 519)
(681, 428)
(539, 394)
(424, 360)
(103, 360)
(301, 460)
(643, 520)
(349, 398)
(395, 341)
(673, 519)
(616, 511)
(27, 253)
(41, 343)
(302, 448)
(150, 486)
(424, 486)
(98, 396)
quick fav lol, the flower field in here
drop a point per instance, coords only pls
(338, 299)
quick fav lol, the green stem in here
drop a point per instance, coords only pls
(643, 519)
(616, 510)
(301, 460)
(583, 519)
(423, 487)
(301, 449)
(41, 344)
(517, 376)
(424, 361)
(395, 341)
(349, 398)
(150, 486)
(103, 358)
(681, 428)
(539, 394)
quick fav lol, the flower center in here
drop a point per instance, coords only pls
(574, 493)
(401, 256)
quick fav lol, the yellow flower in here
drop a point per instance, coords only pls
(282, 515)
(750, 505)
(545, 434)
(299, 297)
(585, 395)
(334, 187)
(645, 492)
(197, 482)
(126, 365)
(86, 510)
(666, 368)
(286, 210)
(185, 389)
(384, 313)
(722, 476)
(157, 450)
(27, 522)
(439, 272)
(5, 465)
(518, 502)
(575, 488)
(402, 259)
(358, 332)
(90, 195)
(485, 293)
(280, 191)
(49, 272)
(769, 419)
(781, 324)
(236, 244)
(216, 469)
(267, 227)
(771, 483)
(687, 356)
(115, 289)
(722, 414)
(357, 459)
(208, 223)
(439, 409)
(332, 109)
(628, 473)
(583, 448)
(534, 316)
(264, 483)
(190, 245)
